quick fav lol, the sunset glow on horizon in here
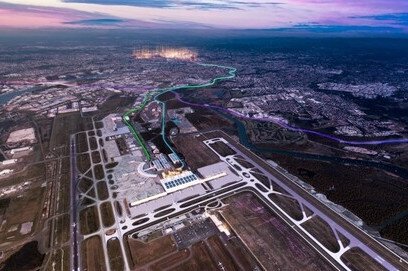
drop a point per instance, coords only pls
(376, 15)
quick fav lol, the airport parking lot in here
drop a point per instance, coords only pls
(195, 232)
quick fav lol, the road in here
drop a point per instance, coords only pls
(285, 125)
(364, 241)
(154, 95)
(357, 237)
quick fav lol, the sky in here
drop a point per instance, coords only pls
(390, 16)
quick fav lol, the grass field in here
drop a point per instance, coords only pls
(81, 142)
(64, 125)
(201, 259)
(171, 260)
(99, 173)
(93, 145)
(84, 184)
(83, 162)
(103, 192)
(64, 187)
(244, 163)
(59, 259)
(115, 255)
(289, 205)
(243, 257)
(92, 258)
(220, 253)
(222, 149)
(357, 260)
(273, 242)
(89, 221)
(107, 214)
(322, 232)
(96, 157)
(200, 157)
(142, 253)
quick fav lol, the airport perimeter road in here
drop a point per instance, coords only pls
(386, 257)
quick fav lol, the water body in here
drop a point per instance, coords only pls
(244, 139)
(402, 172)
(6, 97)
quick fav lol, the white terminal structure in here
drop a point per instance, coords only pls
(186, 179)
(217, 174)
(181, 181)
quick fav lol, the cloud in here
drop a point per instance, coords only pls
(139, 3)
(25, 16)
(315, 15)
(346, 28)
(97, 22)
(187, 4)
(390, 18)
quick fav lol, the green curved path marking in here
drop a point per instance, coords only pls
(154, 94)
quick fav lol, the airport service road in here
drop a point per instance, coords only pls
(125, 224)
(250, 183)
(154, 95)
(202, 201)
(102, 232)
(264, 192)
(357, 237)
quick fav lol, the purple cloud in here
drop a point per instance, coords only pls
(340, 15)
